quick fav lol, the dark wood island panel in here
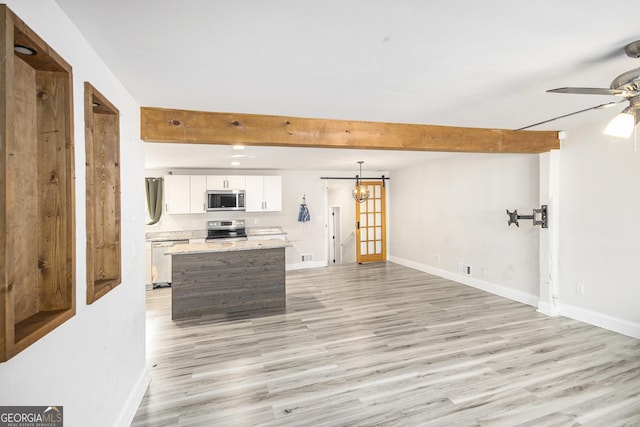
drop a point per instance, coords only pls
(222, 282)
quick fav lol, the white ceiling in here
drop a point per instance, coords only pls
(460, 62)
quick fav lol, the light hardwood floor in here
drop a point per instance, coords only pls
(382, 344)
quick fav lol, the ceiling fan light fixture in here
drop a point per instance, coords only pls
(621, 126)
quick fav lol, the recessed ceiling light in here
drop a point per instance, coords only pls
(238, 156)
(238, 147)
(235, 163)
(24, 50)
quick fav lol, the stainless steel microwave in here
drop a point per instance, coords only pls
(225, 200)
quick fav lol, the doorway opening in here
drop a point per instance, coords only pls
(341, 224)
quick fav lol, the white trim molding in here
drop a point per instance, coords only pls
(306, 264)
(605, 321)
(615, 324)
(128, 412)
(547, 309)
(492, 288)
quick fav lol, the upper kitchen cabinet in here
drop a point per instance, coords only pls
(263, 193)
(197, 190)
(222, 182)
(37, 199)
(102, 146)
(177, 194)
(184, 194)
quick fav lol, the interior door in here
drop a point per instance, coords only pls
(371, 236)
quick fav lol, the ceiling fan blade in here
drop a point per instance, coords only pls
(597, 107)
(591, 91)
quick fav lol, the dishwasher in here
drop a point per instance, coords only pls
(161, 263)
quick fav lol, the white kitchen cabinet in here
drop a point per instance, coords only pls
(273, 193)
(225, 182)
(177, 194)
(184, 194)
(197, 189)
(263, 193)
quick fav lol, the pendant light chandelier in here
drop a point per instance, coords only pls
(360, 193)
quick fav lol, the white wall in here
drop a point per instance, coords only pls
(453, 210)
(93, 364)
(600, 228)
(306, 237)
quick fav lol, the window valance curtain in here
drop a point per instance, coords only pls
(153, 190)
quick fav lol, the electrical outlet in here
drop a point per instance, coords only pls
(306, 257)
(579, 288)
(464, 269)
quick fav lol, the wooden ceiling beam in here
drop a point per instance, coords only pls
(197, 127)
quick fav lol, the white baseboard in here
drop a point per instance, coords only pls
(306, 264)
(493, 288)
(547, 309)
(128, 412)
(605, 321)
(611, 323)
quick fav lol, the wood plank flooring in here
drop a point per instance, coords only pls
(385, 345)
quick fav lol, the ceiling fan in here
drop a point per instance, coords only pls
(626, 86)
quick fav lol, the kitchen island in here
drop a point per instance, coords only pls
(225, 277)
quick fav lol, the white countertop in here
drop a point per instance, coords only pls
(264, 231)
(243, 245)
(157, 236)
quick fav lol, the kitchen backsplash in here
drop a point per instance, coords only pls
(199, 221)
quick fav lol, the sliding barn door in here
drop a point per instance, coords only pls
(371, 240)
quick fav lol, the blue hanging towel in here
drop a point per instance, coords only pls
(303, 215)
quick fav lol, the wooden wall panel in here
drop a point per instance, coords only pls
(52, 177)
(107, 197)
(7, 338)
(37, 201)
(22, 196)
(102, 142)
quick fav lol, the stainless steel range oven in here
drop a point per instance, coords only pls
(226, 230)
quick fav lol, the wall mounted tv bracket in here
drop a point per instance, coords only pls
(537, 213)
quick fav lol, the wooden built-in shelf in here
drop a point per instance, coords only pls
(102, 143)
(37, 200)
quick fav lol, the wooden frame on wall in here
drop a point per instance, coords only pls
(102, 144)
(37, 180)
